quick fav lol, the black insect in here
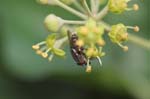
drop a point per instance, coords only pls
(76, 51)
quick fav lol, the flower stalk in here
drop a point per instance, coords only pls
(73, 11)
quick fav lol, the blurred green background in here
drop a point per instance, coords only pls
(25, 75)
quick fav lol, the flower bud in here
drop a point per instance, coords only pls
(118, 6)
(118, 33)
(53, 23)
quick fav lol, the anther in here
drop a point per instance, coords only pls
(39, 52)
(88, 67)
(136, 29)
(44, 55)
(35, 47)
(125, 48)
(135, 7)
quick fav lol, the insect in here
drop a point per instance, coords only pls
(76, 51)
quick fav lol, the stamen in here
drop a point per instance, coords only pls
(99, 60)
(41, 43)
(48, 50)
(51, 57)
(125, 48)
(40, 51)
(135, 28)
(124, 36)
(88, 67)
(135, 8)
(37, 46)
(45, 54)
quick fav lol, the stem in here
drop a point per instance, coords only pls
(75, 12)
(87, 8)
(140, 41)
(78, 6)
(102, 13)
(94, 6)
(74, 22)
(133, 38)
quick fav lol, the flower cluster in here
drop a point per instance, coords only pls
(90, 29)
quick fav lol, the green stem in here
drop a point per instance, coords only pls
(102, 13)
(74, 22)
(140, 41)
(78, 6)
(94, 6)
(132, 38)
(87, 8)
(75, 12)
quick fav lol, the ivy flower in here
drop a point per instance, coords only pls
(90, 29)
(49, 46)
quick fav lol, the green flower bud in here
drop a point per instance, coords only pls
(53, 23)
(118, 6)
(91, 23)
(91, 33)
(118, 33)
